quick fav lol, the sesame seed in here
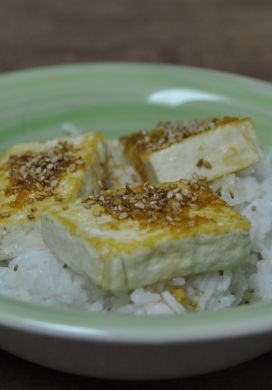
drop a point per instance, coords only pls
(72, 168)
(170, 194)
(231, 194)
(199, 163)
(166, 134)
(54, 159)
(253, 208)
(30, 216)
(207, 164)
(139, 205)
(123, 215)
(195, 186)
(178, 196)
(4, 215)
(185, 191)
(195, 177)
(150, 204)
(54, 183)
(175, 205)
(40, 172)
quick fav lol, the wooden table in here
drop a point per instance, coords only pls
(233, 35)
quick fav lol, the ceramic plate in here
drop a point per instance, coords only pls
(116, 99)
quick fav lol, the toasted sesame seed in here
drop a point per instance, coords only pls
(207, 164)
(41, 171)
(72, 168)
(170, 194)
(53, 183)
(200, 163)
(218, 190)
(150, 205)
(123, 215)
(175, 204)
(195, 186)
(231, 194)
(195, 177)
(185, 191)
(178, 196)
(166, 134)
(139, 205)
(4, 215)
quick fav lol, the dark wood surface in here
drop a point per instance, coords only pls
(233, 35)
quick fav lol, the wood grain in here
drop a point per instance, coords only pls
(233, 35)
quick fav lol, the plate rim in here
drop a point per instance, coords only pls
(69, 323)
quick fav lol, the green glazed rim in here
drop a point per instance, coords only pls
(118, 98)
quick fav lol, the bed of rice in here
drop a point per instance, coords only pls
(39, 277)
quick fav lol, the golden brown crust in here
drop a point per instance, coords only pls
(164, 135)
(165, 204)
(35, 176)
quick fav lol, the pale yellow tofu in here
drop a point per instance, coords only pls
(211, 148)
(136, 236)
(35, 176)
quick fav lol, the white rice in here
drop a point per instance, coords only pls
(39, 277)
(70, 129)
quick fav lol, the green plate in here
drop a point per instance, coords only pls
(116, 99)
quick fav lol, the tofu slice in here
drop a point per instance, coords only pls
(211, 148)
(133, 237)
(120, 170)
(37, 175)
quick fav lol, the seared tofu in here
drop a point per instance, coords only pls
(136, 236)
(211, 148)
(37, 175)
